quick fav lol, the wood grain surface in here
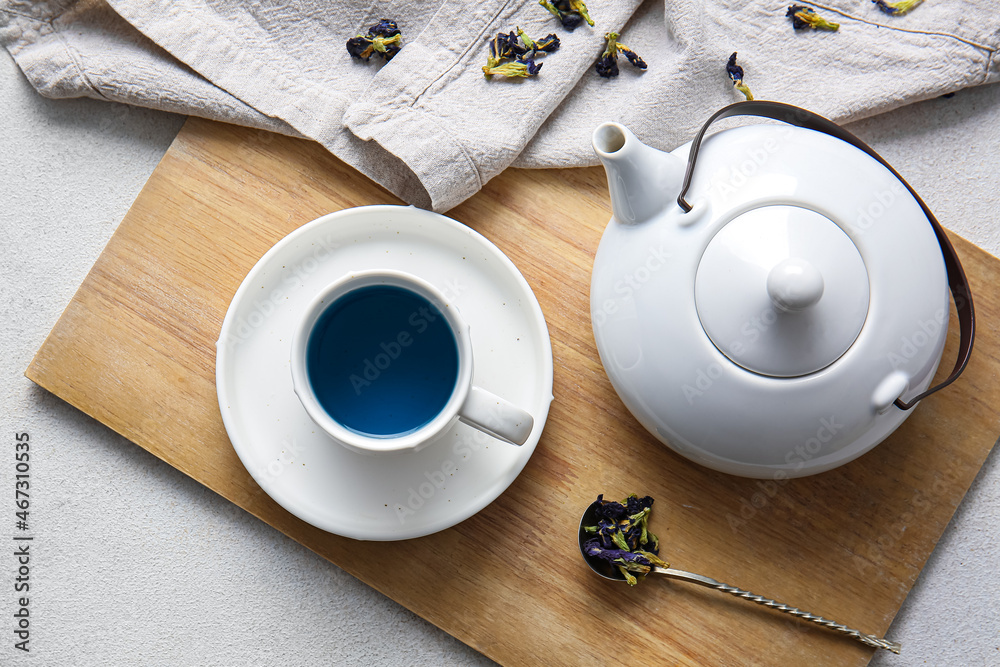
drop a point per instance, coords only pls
(136, 350)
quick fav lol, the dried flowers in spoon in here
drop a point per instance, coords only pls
(607, 64)
(571, 13)
(621, 536)
(735, 73)
(897, 8)
(383, 38)
(805, 18)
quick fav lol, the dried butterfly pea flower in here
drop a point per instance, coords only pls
(634, 504)
(622, 537)
(627, 562)
(516, 68)
(360, 47)
(735, 73)
(500, 49)
(571, 13)
(522, 49)
(897, 8)
(805, 18)
(383, 38)
(524, 45)
(607, 64)
(570, 21)
(384, 28)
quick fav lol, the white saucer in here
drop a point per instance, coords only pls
(392, 496)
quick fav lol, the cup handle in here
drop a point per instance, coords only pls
(493, 415)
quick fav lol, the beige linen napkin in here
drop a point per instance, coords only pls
(431, 128)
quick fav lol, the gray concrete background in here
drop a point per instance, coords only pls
(134, 563)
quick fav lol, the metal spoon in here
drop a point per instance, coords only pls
(606, 570)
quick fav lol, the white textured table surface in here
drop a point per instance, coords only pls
(134, 563)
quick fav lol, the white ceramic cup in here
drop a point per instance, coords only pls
(469, 404)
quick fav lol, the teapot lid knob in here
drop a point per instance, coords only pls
(794, 284)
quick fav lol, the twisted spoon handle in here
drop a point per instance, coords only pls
(868, 640)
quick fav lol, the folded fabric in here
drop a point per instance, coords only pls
(431, 128)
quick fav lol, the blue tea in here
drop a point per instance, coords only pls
(382, 360)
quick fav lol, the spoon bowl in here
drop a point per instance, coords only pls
(600, 567)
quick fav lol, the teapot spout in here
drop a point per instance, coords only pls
(643, 181)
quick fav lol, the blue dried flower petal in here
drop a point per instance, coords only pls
(632, 56)
(610, 510)
(548, 44)
(897, 8)
(360, 47)
(607, 529)
(500, 47)
(571, 21)
(626, 561)
(525, 46)
(612, 555)
(570, 14)
(735, 73)
(607, 66)
(634, 504)
(805, 18)
(634, 557)
(384, 28)
(533, 68)
(390, 51)
(383, 38)
(517, 48)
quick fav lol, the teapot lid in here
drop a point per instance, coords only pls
(782, 291)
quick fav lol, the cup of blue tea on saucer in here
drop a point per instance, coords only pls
(382, 362)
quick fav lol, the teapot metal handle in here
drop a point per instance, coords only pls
(957, 281)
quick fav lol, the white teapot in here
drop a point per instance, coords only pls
(771, 300)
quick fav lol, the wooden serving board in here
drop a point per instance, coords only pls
(136, 350)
